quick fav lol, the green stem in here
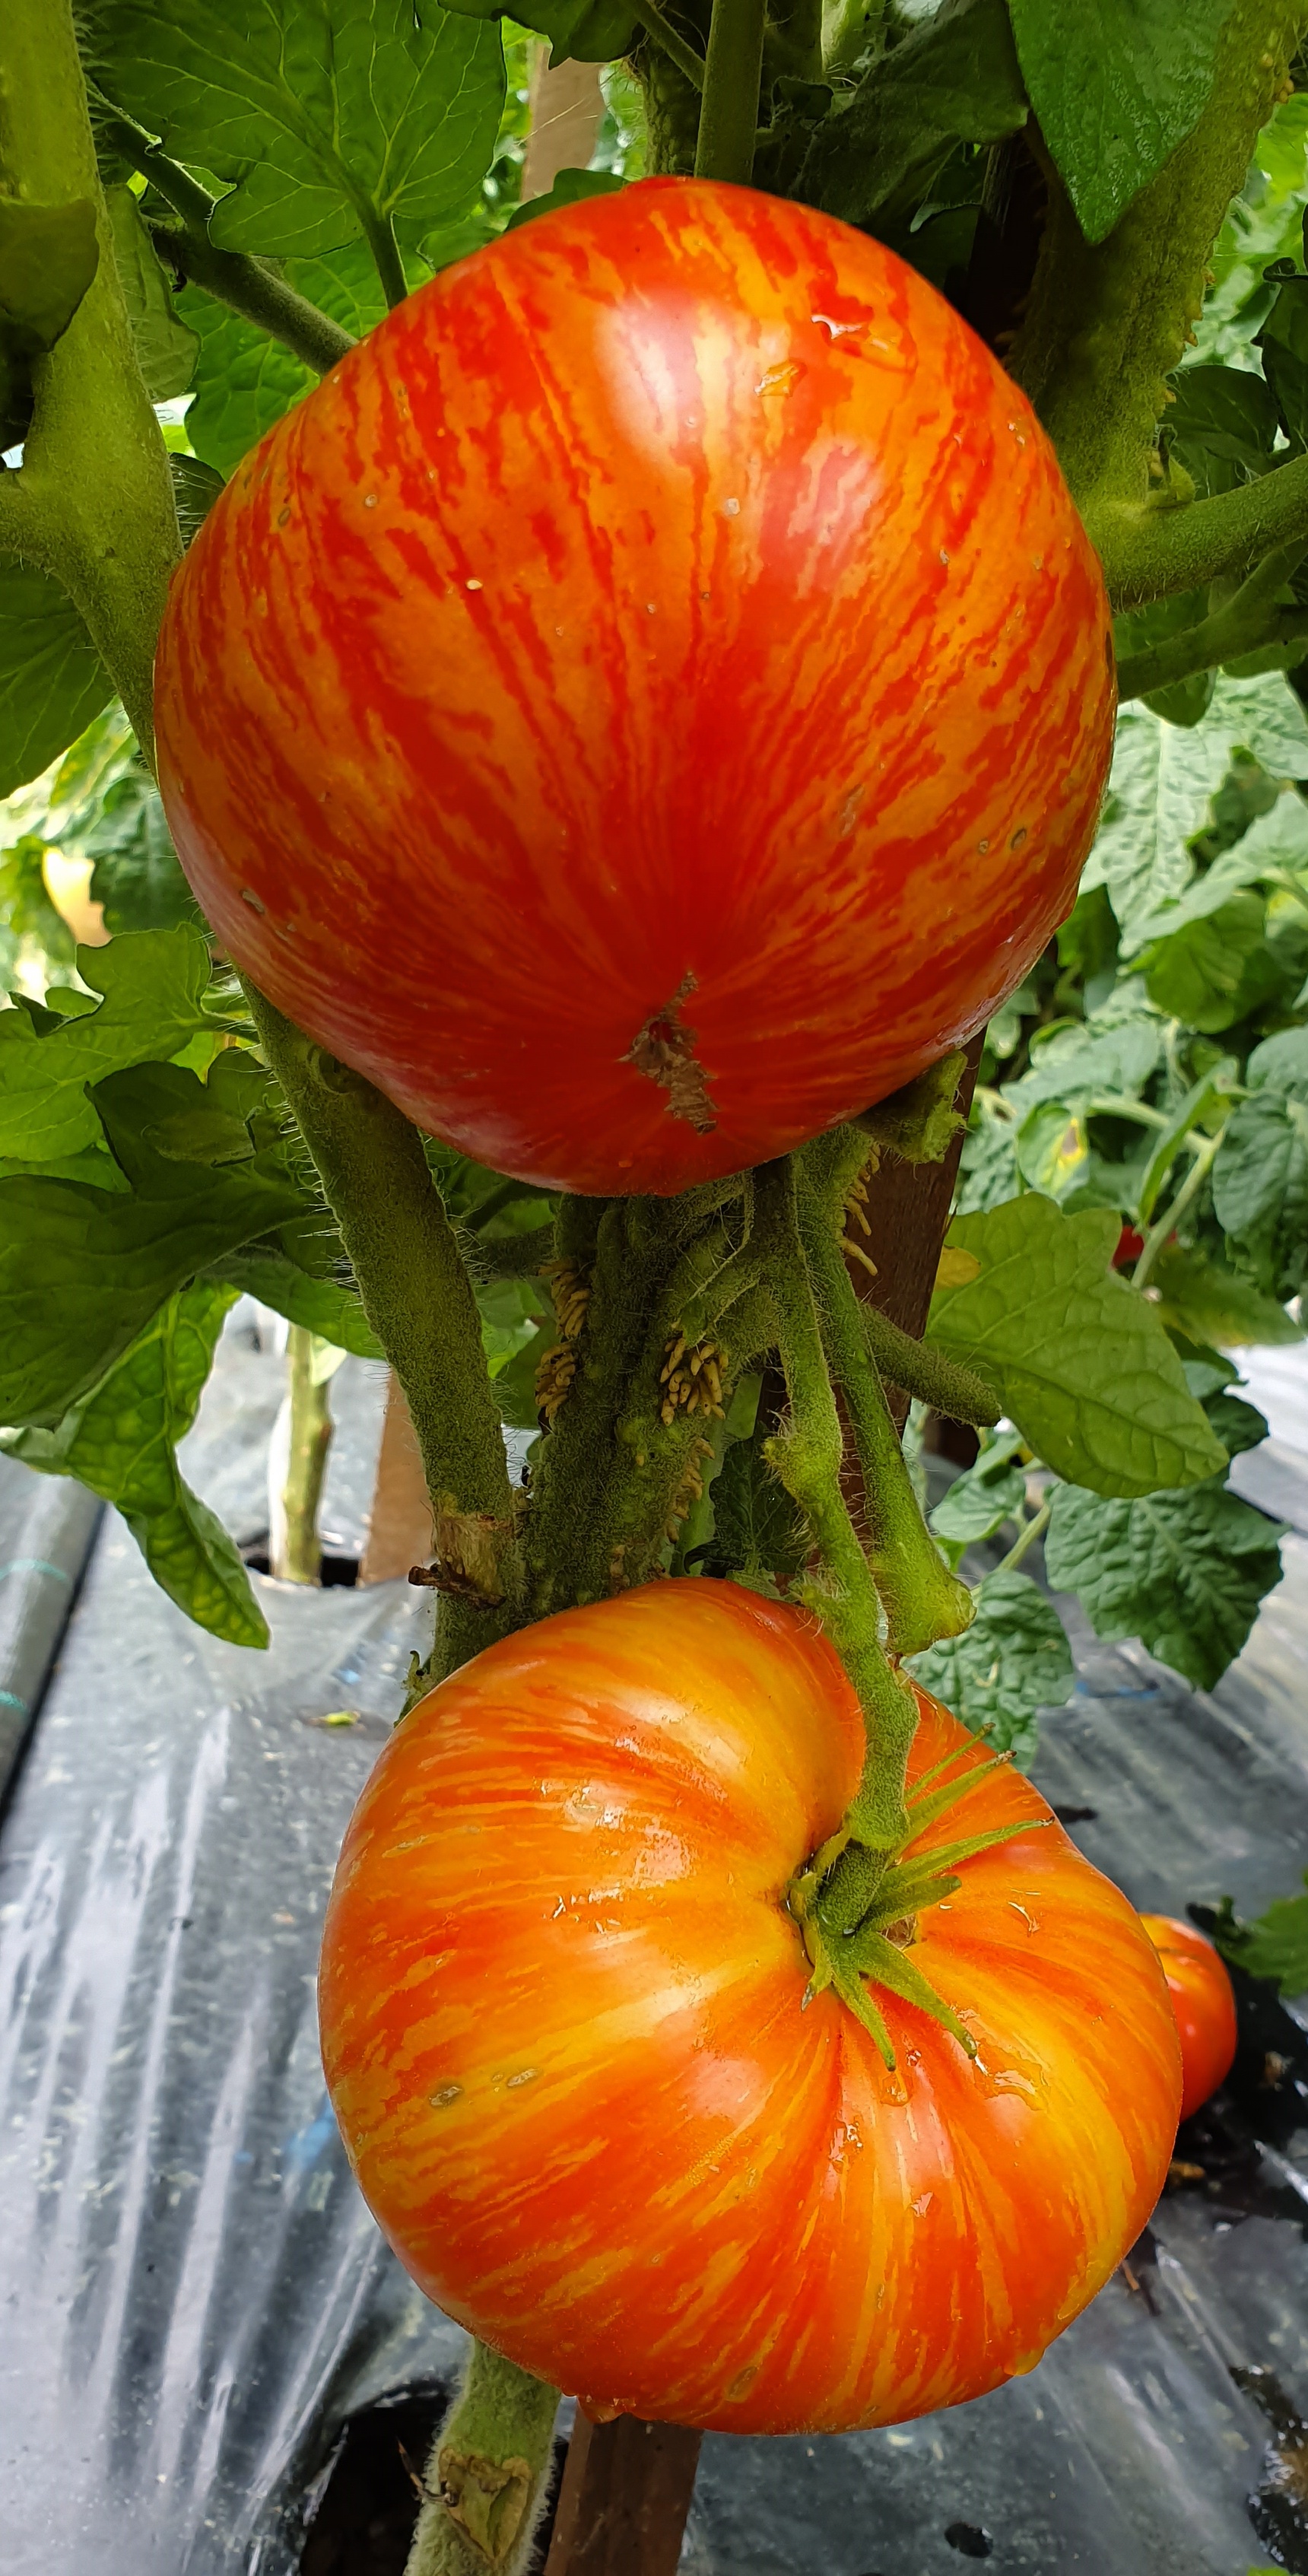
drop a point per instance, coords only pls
(1026, 1538)
(1166, 1226)
(807, 1457)
(92, 503)
(926, 1373)
(248, 285)
(487, 2475)
(922, 1600)
(513, 1256)
(1205, 647)
(659, 31)
(1107, 322)
(379, 233)
(728, 123)
(418, 1299)
(296, 1559)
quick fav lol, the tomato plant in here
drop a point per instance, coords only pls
(636, 705)
(641, 854)
(572, 2037)
(1203, 2003)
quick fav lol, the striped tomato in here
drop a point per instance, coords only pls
(1204, 2004)
(564, 2026)
(651, 700)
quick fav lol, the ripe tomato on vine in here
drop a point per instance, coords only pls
(1203, 2002)
(587, 2090)
(652, 700)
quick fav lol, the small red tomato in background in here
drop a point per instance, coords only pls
(1204, 2005)
(651, 700)
(1130, 1245)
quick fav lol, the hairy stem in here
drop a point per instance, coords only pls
(418, 1299)
(944, 1384)
(1151, 552)
(294, 1548)
(807, 1457)
(1251, 621)
(1108, 321)
(663, 34)
(487, 2474)
(379, 234)
(728, 122)
(92, 503)
(922, 1600)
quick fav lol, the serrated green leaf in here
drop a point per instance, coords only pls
(321, 1306)
(1116, 85)
(1011, 1662)
(979, 1502)
(121, 1441)
(82, 1271)
(1184, 1573)
(1260, 1189)
(166, 350)
(1203, 1298)
(1239, 1426)
(1281, 1064)
(1223, 428)
(245, 381)
(1201, 974)
(52, 680)
(321, 120)
(153, 989)
(137, 876)
(1163, 779)
(756, 1528)
(1079, 1362)
(953, 78)
(1274, 1945)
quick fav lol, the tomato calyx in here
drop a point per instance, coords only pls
(889, 1891)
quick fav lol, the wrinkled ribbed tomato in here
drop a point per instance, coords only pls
(564, 2027)
(651, 700)
(1204, 2005)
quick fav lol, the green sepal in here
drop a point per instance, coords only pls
(920, 1122)
(887, 1965)
(853, 1992)
(923, 1811)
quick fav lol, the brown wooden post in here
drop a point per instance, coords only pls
(624, 2499)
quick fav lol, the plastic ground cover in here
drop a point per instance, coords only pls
(195, 2300)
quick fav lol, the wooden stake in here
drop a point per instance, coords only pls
(399, 1524)
(624, 2500)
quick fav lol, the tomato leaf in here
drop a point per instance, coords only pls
(83, 1270)
(244, 381)
(1182, 1572)
(1239, 1426)
(48, 257)
(52, 680)
(1080, 1362)
(979, 1502)
(1012, 1661)
(153, 990)
(165, 349)
(570, 188)
(1275, 1945)
(121, 1441)
(1163, 779)
(1204, 1299)
(1260, 1177)
(582, 31)
(137, 875)
(757, 1531)
(323, 1306)
(322, 121)
(196, 487)
(953, 78)
(1116, 85)
(1223, 427)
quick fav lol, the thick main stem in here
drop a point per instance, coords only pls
(418, 1299)
(92, 503)
(487, 2475)
(728, 117)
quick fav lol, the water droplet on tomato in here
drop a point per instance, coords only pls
(441, 2100)
(249, 896)
(472, 585)
(731, 509)
(527, 2076)
(838, 330)
(370, 500)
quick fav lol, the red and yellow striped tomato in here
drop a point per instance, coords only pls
(565, 2031)
(1203, 2001)
(651, 700)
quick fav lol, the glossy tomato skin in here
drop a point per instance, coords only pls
(564, 2029)
(651, 700)
(1203, 2002)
